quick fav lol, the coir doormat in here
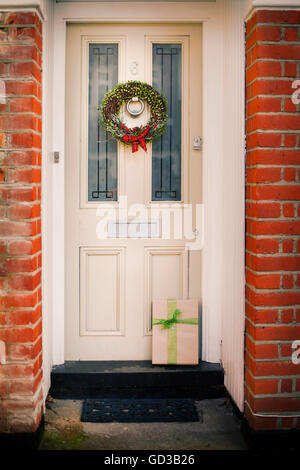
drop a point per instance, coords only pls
(138, 410)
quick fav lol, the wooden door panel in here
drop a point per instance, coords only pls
(101, 293)
(110, 283)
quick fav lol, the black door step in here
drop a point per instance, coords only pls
(140, 379)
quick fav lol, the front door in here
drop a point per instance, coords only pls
(132, 220)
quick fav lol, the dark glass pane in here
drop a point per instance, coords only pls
(102, 149)
(166, 150)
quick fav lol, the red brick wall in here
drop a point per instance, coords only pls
(272, 220)
(20, 221)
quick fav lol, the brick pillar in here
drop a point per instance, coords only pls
(21, 398)
(272, 388)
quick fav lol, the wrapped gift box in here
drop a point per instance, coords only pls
(175, 337)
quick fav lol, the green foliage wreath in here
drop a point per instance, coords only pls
(135, 136)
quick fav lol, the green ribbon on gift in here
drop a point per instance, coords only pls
(171, 325)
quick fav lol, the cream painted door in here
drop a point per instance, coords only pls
(112, 275)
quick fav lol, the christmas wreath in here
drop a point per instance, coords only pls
(135, 136)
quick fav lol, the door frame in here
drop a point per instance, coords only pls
(222, 157)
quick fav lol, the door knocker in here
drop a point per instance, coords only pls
(135, 112)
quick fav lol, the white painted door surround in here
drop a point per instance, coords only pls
(223, 146)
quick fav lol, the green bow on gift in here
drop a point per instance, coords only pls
(168, 322)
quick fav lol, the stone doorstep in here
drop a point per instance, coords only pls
(89, 379)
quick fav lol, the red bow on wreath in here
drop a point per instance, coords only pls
(136, 140)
